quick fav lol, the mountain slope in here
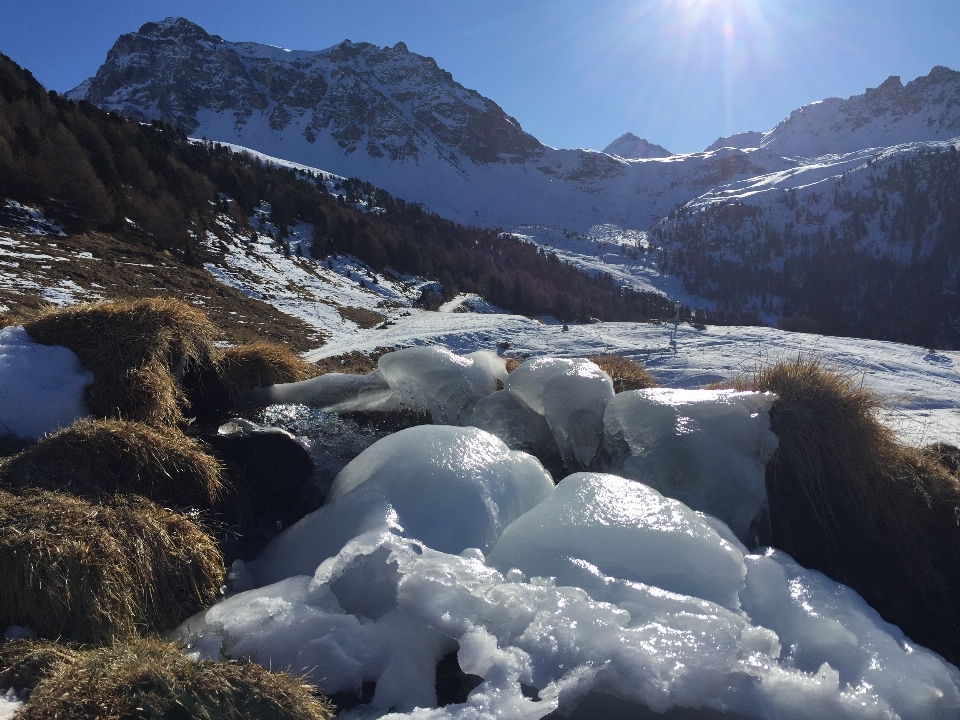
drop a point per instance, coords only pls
(394, 118)
(927, 108)
(866, 244)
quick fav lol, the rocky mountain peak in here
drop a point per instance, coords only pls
(388, 102)
(176, 28)
(927, 108)
(631, 147)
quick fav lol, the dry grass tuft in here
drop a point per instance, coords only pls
(137, 350)
(100, 458)
(847, 499)
(24, 663)
(99, 572)
(626, 374)
(151, 679)
(259, 365)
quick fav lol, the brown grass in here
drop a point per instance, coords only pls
(24, 663)
(847, 499)
(150, 679)
(626, 374)
(136, 349)
(100, 458)
(98, 572)
(258, 365)
(352, 363)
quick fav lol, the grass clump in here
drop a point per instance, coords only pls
(100, 458)
(260, 364)
(137, 350)
(626, 374)
(96, 573)
(24, 663)
(847, 499)
(150, 679)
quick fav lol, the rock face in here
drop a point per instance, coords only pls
(630, 146)
(387, 102)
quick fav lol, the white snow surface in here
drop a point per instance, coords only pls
(10, 704)
(41, 386)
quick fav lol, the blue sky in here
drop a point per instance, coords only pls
(679, 73)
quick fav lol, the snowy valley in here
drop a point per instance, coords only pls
(487, 519)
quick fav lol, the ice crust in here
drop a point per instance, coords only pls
(453, 488)
(507, 416)
(435, 379)
(387, 608)
(605, 592)
(41, 386)
(332, 392)
(706, 448)
(599, 526)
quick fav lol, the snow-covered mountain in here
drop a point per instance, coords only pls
(927, 108)
(396, 119)
(741, 141)
(867, 242)
(630, 146)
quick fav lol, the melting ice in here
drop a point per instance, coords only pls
(629, 584)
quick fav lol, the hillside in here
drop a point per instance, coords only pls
(867, 244)
(149, 187)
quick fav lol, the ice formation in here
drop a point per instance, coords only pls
(41, 386)
(529, 378)
(507, 416)
(599, 526)
(706, 448)
(332, 392)
(453, 488)
(434, 379)
(386, 609)
(573, 404)
(606, 592)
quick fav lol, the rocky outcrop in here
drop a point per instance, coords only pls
(387, 102)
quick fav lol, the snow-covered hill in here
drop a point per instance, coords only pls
(863, 243)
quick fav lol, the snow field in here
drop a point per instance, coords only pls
(440, 539)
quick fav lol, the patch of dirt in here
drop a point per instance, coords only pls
(352, 363)
(365, 319)
(95, 266)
